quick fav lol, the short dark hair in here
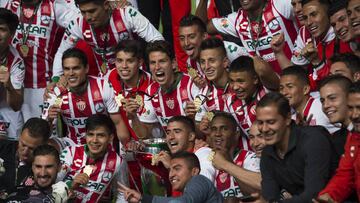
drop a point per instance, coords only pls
(227, 116)
(130, 46)
(100, 120)
(325, 3)
(75, 53)
(37, 128)
(191, 20)
(351, 61)
(355, 88)
(337, 5)
(243, 63)
(46, 149)
(343, 82)
(213, 43)
(277, 99)
(161, 46)
(10, 19)
(188, 122)
(297, 71)
(97, 2)
(191, 159)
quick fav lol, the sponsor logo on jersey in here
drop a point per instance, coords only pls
(107, 176)
(99, 107)
(45, 20)
(76, 121)
(274, 24)
(232, 192)
(37, 30)
(265, 41)
(87, 34)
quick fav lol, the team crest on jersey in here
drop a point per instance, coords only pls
(97, 95)
(81, 105)
(223, 177)
(170, 103)
(99, 107)
(274, 24)
(107, 176)
(45, 20)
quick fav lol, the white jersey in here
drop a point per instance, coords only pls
(160, 106)
(75, 109)
(314, 108)
(207, 168)
(105, 172)
(124, 24)
(227, 184)
(278, 16)
(233, 50)
(10, 121)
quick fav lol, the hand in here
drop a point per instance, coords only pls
(5, 78)
(80, 179)
(131, 107)
(54, 110)
(200, 143)
(200, 82)
(325, 198)
(190, 109)
(204, 126)
(163, 157)
(219, 161)
(311, 53)
(277, 43)
(132, 196)
(60, 192)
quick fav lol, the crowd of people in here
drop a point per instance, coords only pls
(255, 100)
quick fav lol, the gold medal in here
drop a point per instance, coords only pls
(4, 68)
(139, 100)
(192, 72)
(88, 170)
(103, 68)
(58, 101)
(197, 103)
(119, 99)
(24, 49)
(209, 115)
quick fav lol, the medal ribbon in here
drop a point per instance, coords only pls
(25, 31)
(259, 21)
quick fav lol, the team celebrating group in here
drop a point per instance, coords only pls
(254, 100)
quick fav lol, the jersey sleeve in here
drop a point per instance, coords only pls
(207, 168)
(140, 25)
(297, 57)
(66, 159)
(72, 34)
(65, 12)
(148, 115)
(226, 25)
(109, 98)
(233, 51)
(17, 74)
(251, 162)
(284, 8)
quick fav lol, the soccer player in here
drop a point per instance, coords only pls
(346, 64)
(12, 72)
(256, 24)
(85, 96)
(90, 170)
(103, 28)
(41, 21)
(167, 96)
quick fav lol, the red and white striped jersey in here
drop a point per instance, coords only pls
(11, 121)
(162, 105)
(277, 17)
(43, 28)
(125, 23)
(327, 47)
(313, 109)
(226, 184)
(215, 99)
(75, 109)
(244, 113)
(105, 173)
